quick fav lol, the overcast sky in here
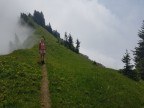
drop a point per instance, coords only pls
(106, 28)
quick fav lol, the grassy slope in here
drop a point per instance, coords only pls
(20, 78)
(74, 81)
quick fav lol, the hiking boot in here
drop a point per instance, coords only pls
(42, 62)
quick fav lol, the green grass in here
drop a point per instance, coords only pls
(20, 78)
(74, 81)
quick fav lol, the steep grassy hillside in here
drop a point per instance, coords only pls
(74, 81)
(20, 78)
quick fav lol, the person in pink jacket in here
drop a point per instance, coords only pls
(42, 50)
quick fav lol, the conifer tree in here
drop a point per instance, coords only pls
(49, 28)
(66, 39)
(77, 46)
(39, 18)
(128, 67)
(70, 42)
(139, 53)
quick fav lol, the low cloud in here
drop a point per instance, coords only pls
(12, 34)
(106, 60)
(23, 37)
(105, 28)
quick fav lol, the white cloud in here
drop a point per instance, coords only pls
(9, 25)
(107, 61)
(104, 28)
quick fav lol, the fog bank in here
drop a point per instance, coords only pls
(12, 34)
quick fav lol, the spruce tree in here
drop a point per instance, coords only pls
(77, 46)
(70, 42)
(50, 28)
(139, 53)
(39, 18)
(128, 67)
(66, 39)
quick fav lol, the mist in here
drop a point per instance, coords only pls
(22, 38)
(13, 35)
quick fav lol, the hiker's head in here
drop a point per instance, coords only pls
(42, 39)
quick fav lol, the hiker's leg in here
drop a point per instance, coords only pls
(44, 57)
(41, 57)
(40, 52)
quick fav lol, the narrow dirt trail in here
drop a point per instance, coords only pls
(45, 96)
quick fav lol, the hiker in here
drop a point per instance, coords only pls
(42, 50)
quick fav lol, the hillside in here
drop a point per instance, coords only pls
(74, 81)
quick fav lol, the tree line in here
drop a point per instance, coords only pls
(68, 42)
(38, 17)
(138, 72)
